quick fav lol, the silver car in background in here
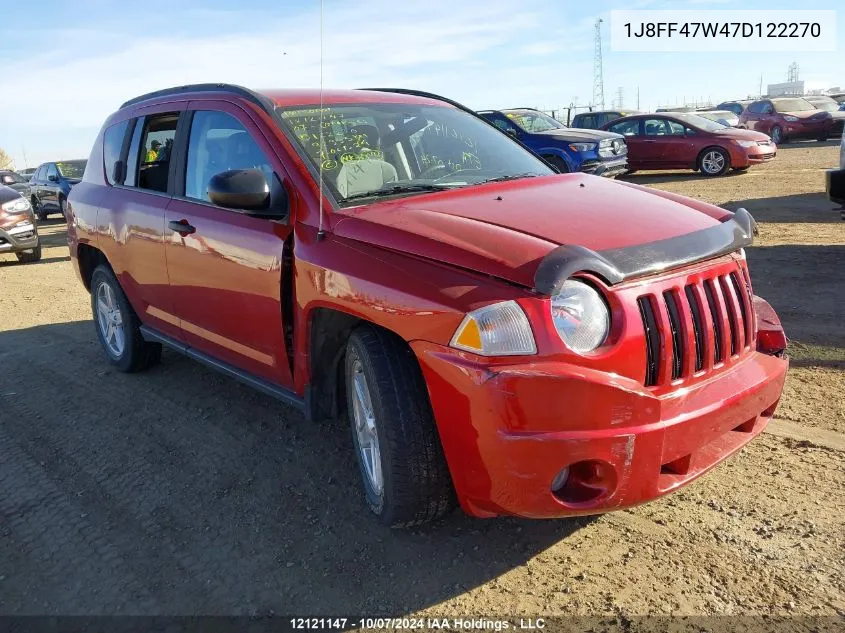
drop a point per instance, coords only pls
(725, 117)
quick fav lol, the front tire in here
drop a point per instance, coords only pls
(40, 213)
(63, 207)
(714, 161)
(558, 163)
(118, 328)
(777, 135)
(30, 256)
(405, 477)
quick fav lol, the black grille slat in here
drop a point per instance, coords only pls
(697, 326)
(732, 316)
(652, 339)
(742, 294)
(677, 339)
(717, 322)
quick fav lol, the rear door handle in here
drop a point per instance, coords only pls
(182, 227)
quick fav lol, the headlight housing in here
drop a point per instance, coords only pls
(500, 329)
(582, 147)
(18, 205)
(580, 315)
(790, 118)
(747, 143)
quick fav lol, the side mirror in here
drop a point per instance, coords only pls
(248, 190)
(512, 132)
(245, 189)
(53, 178)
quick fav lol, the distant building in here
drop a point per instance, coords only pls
(786, 89)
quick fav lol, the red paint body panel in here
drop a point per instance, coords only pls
(416, 266)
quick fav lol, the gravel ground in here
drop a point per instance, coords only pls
(178, 491)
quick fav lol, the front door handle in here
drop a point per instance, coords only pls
(182, 227)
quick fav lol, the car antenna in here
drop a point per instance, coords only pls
(320, 232)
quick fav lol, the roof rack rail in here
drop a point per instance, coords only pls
(246, 93)
(427, 95)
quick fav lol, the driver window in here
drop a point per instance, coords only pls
(626, 128)
(675, 128)
(52, 172)
(655, 127)
(768, 108)
(219, 143)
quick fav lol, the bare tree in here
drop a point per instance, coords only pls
(6, 161)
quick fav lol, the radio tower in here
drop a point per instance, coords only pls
(792, 72)
(598, 74)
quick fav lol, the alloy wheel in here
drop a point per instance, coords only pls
(110, 320)
(365, 429)
(713, 162)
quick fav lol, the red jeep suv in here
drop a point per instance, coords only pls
(518, 341)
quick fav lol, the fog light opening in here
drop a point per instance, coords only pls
(584, 482)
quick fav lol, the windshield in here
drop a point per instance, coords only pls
(792, 105)
(828, 106)
(72, 168)
(533, 121)
(388, 149)
(699, 121)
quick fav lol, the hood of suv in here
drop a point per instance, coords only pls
(578, 135)
(808, 114)
(505, 229)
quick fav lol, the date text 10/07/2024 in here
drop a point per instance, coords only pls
(407, 623)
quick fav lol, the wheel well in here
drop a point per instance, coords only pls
(554, 159)
(707, 149)
(330, 330)
(89, 258)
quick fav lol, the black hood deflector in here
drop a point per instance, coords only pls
(621, 264)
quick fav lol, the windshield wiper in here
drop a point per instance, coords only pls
(396, 189)
(504, 178)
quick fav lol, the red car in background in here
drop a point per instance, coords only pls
(787, 118)
(684, 140)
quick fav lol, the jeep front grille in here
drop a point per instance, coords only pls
(696, 324)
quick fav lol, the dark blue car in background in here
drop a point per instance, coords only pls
(51, 184)
(568, 149)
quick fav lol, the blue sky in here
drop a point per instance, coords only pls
(67, 65)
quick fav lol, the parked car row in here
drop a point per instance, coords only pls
(47, 186)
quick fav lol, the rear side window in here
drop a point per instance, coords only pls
(52, 171)
(219, 143)
(112, 146)
(756, 107)
(626, 128)
(41, 173)
(585, 120)
(159, 133)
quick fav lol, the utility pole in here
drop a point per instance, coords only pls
(638, 97)
(598, 72)
(760, 94)
(620, 100)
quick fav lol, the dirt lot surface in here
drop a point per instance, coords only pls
(178, 491)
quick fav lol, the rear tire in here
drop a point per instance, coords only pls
(558, 163)
(404, 473)
(117, 325)
(36, 208)
(777, 135)
(30, 256)
(714, 161)
(63, 207)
